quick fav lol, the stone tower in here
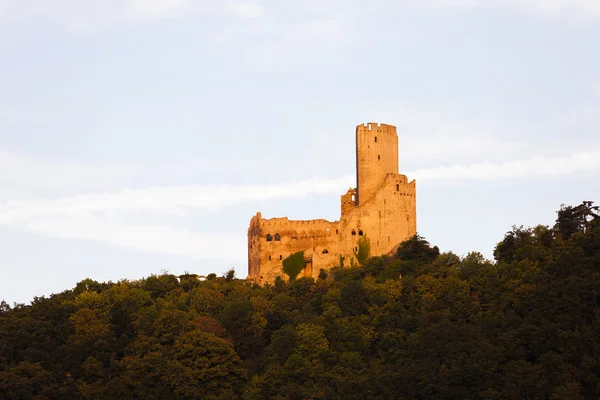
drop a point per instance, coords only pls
(376, 157)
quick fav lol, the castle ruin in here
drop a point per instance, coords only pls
(382, 206)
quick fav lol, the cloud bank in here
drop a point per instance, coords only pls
(83, 15)
(101, 216)
(579, 9)
(537, 167)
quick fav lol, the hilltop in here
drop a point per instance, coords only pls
(415, 325)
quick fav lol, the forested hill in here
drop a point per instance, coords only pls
(419, 325)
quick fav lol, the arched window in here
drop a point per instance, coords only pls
(325, 251)
(277, 237)
(269, 237)
(353, 232)
(319, 233)
(360, 233)
(294, 235)
(303, 235)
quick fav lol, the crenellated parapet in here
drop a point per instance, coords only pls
(374, 127)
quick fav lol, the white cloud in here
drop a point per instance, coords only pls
(166, 200)
(246, 9)
(579, 9)
(537, 167)
(143, 238)
(427, 136)
(101, 217)
(85, 15)
(85, 216)
(23, 176)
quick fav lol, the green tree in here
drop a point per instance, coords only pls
(294, 264)
(417, 249)
(364, 250)
(230, 275)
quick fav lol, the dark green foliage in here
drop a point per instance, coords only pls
(353, 298)
(230, 275)
(418, 325)
(322, 275)
(417, 249)
(364, 250)
(577, 219)
(294, 264)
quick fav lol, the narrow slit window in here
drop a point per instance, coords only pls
(375, 139)
(379, 156)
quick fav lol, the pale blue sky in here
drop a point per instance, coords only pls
(142, 135)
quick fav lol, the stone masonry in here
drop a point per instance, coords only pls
(382, 206)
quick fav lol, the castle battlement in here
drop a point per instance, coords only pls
(375, 127)
(382, 207)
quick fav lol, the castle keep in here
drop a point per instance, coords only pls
(382, 206)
